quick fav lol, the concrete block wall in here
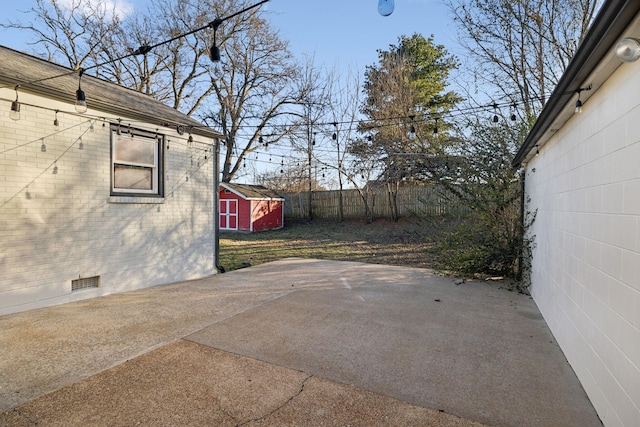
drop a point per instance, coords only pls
(585, 186)
(59, 223)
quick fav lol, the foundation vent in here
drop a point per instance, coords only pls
(85, 283)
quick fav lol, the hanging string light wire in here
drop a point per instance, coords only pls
(144, 49)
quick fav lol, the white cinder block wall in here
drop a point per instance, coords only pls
(585, 185)
(57, 227)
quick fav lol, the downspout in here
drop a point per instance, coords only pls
(523, 188)
(216, 207)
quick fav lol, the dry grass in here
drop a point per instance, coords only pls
(408, 242)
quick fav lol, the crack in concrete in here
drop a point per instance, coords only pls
(21, 415)
(264, 417)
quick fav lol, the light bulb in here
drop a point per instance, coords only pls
(81, 101)
(214, 53)
(14, 114)
(412, 133)
(385, 7)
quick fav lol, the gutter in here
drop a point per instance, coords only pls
(612, 20)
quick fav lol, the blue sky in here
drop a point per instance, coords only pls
(348, 32)
(344, 33)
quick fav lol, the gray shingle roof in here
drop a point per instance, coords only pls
(252, 192)
(37, 76)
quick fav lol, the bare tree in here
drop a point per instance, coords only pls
(244, 96)
(344, 109)
(521, 47)
(252, 87)
(309, 113)
(70, 32)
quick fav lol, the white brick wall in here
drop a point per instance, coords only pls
(585, 184)
(58, 227)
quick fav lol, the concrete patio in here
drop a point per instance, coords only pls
(293, 342)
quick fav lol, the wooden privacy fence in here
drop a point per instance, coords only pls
(416, 200)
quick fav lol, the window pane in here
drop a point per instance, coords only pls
(134, 150)
(132, 177)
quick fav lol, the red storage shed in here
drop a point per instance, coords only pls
(245, 207)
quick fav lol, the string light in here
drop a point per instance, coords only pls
(43, 146)
(385, 7)
(81, 100)
(578, 104)
(81, 103)
(56, 122)
(495, 113)
(214, 52)
(190, 140)
(579, 101)
(412, 129)
(14, 114)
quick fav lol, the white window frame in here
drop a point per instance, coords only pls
(157, 176)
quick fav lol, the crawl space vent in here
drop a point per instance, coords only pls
(85, 283)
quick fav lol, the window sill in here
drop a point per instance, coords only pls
(136, 200)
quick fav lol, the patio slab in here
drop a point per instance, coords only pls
(294, 342)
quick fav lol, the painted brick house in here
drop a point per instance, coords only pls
(116, 198)
(582, 178)
(245, 207)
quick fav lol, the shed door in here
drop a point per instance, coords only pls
(228, 214)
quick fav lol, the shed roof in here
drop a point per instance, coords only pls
(252, 192)
(41, 77)
(591, 65)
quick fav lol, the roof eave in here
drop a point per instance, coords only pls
(56, 82)
(612, 20)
